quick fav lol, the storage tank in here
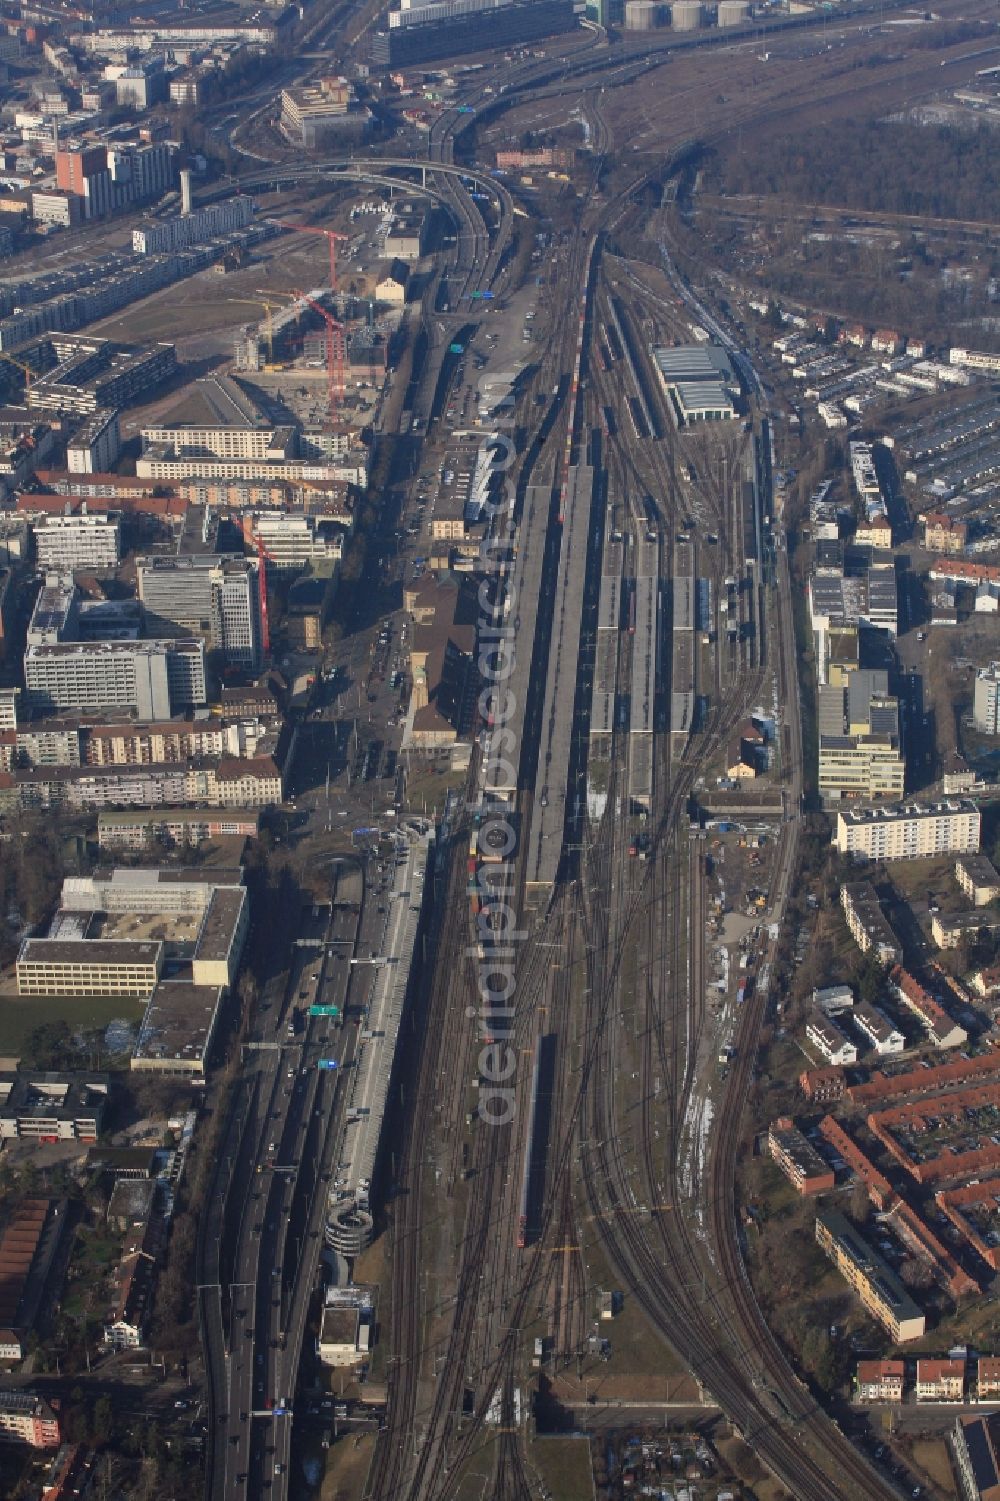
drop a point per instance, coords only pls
(642, 15)
(685, 15)
(733, 12)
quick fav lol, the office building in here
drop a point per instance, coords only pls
(153, 678)
(909, 831)
(456, 27)
(52, 1106)
(868, 923)
(860, 748)
(216, 598)
(986, 700)
(875, 1283)
(142, 84)
(314, 113)
(80, 966)
(78, 540)
(295, 539)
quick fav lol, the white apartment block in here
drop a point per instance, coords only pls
(911, 831)
(83, 540)
(829, 1041)
(229, 441)
(181, 230)
(96, 446)
(972, 359)
(986, 700)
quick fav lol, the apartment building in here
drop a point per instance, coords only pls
(910, 831)
(236, 440)
(875, 1283)
(940, 1380)
(153, 678)
(987, 1378)
(877, 1030)
(979, 879)
(79, 540)
(94, 447)
(867, 922)
(163, 236)
(181, 826)
(828, 1040)
(85, 967)
(941, 1029)
(986, 700)
(92, 374)
(880, 1380)
(943, 533)
(975, 1443)
(225, 783)
(27, 1419)
(216, 598)
(798, 1158)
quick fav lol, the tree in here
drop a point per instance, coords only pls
(870, 978)
(103, 1421)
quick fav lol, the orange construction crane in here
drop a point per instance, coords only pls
(332, 237)
(336, 354)
(26, 371)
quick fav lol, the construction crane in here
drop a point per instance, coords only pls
(25, 370)
(332, 236)
(336, 357)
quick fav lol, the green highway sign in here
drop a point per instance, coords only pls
(324, 1010)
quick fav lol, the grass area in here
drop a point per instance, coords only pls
(347, 1466)
(743, 1462)
(638, 1356)
(564, 1465)
(476, 1482)
(932, 1457)
(21, 1014)
(429, 786)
